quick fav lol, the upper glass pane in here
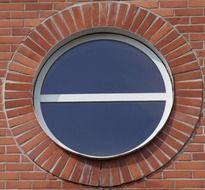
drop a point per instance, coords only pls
(103, 66)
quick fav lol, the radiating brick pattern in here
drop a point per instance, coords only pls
(30, 160)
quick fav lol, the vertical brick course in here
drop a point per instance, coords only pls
(19, 155)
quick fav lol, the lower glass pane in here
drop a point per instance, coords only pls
(102, 129)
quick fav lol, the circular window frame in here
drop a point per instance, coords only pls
(164, 71)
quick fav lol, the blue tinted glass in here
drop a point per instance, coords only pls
(102, 129)
(103, 66)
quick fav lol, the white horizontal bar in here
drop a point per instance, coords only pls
(112, 97)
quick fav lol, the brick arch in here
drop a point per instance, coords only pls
(124, 16)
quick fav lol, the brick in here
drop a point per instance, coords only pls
(196, 3)
(178, 52)
(68, 167)
(115, 173)
(177, 174)
(69, 21)
(10, 40)
(179, 20)
(19, 184)
(158, 153)
(5, 31)
(77, 171)
(103, 13)
(184, 157)
(153, 162)
(9, 158)
(197, 37)
(42, 6)
(188, 101)
(142, 164)
(200, 53)
(121, 15)
(153, 29)
(198, 156)
(9, 176)
(198, 20)
(12, 149)
(159, 184)
(105, 174)
(125, 171)
(61, 25)
(40, 41)
(189, 85)
(28, 135)
(34, 142)
(60, 165)
(53, 29)
(48, 184)
(4, 15)
(138, 20)
(145, 4)
(167, 39)
(6, 141)
(164, 12)
(61, 5)
(173, 45)
(39, 148)
(166, 28)
(46, 154)
(185, 68)
(189, 12)
(191, 28)
(19, 167)
(52, 160)
(18, 95)
(87, 15)
(29, 53)
(33, 176)
(169, 152)
(85, 176)
(10, 7)
(189, 165)
(198, 174)
(19, 78)
(24, 15)
(35, 47)
(77, 17)
(188, 110)
(18, 103)
(95, 172)
(133, 10)
(173, 4)
(95, 15)
(18, 87)
(3, 132)
(20, 31)
(183, 60)
(194, 148)
(112, 14)
(190, 183)
(46, 13)
(145, 25)
(133, 167)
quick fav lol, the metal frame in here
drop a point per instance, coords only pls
(167, 96)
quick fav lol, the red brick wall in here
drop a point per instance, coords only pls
(185, 170)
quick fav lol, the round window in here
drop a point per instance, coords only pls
(103, 95)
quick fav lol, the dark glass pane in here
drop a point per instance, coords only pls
(103, 66)
(102, 129)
